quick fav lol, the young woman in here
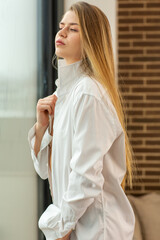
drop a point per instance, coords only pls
(90, 154)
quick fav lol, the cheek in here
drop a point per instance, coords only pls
(76, 42)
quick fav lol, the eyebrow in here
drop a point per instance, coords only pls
(69, 23)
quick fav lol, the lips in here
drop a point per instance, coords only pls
(59, 42)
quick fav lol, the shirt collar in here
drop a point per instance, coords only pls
(67, 75)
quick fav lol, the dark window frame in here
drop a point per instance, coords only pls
(48, 17)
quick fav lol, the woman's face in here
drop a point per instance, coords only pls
(67, 40)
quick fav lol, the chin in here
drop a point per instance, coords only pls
(60, 55)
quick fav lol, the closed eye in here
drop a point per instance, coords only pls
(71, 29)
(74, 30)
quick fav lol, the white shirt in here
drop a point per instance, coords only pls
(88, 163)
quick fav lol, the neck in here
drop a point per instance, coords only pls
(67, 75)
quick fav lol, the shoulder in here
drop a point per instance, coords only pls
(89, 93)
(89, 86)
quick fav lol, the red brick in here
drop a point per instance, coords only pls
(146, 105)
(130, 51)
(153, 97)
(124, 44)
(146, 120)
(123, 29)
(153, 51)
(131, 5)
(132, 97)
(153, 173)
(123, 13)
(145, 13)
(153, 142)
(130, 36)
(134, 128)
(149, 165)
(134, 112)
(156, 81)
(124, 59)
(153, 128)
(146, 74)
(136, 142)
(145, 135)
(146, 44)
(130, 66)
(145, 90)
(152, 188)
(146, 59)
(152, 36)
(153, 158)
(153, 20)
(130, 20)
(153, 5)
(147, 150)
(155, 66)
(145, 28)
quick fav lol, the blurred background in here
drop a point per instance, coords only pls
(27, 31)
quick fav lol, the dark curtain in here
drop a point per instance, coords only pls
(49, 15)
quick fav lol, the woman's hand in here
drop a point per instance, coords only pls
(45, 107)
(67, 237)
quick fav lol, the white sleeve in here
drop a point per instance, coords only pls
(94, 133)
(41, 161)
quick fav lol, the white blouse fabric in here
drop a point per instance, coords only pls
(88, 163)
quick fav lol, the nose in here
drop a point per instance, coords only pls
(62, 33)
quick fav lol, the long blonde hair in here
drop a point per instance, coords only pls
(98, 62)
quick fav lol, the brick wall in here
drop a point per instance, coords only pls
(138, 36)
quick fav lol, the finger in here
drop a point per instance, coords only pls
(51, 105)
(53, 96)
(51, 101)
(54, 99)
(45, 107)
(47, 101)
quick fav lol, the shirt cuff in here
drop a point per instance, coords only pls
(49, 223)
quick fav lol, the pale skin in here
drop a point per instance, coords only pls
(68, 46)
